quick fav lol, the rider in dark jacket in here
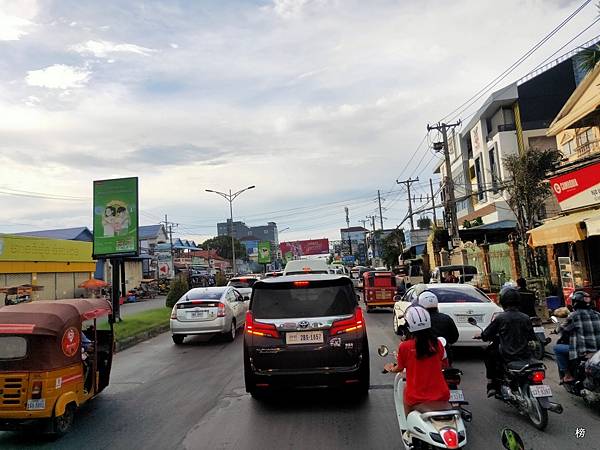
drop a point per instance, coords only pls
(442, 324)
(510, 333)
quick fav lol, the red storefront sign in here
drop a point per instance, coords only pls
(578, 188)
(303, 248)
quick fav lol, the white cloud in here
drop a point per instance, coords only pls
(102, 49)
(58, 76)
(173, 45)
(15, 19)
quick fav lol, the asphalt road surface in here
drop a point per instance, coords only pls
(192, 397)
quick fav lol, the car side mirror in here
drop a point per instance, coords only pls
(397, 298)
(472, 321)
(245, 298)
(383, 351)
(511, 440)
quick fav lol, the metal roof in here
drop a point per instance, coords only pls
(68, 234)
(149, 231)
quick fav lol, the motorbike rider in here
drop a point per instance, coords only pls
(582, 332)
(442, 324)
(510, 333)
(422, 355)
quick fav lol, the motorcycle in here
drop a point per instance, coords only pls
(431, 425)
(586, 371)
(522, 386)
(539, 346)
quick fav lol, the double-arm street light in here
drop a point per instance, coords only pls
(230, 198)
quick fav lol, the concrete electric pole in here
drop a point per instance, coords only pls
(407, 183)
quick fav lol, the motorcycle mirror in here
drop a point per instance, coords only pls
(554, 319)
(472, 320)
(383, 350)
(511, 440)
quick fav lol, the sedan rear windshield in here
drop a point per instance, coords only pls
(292, 300)
(446, 295)
(243, 283)
(203, 295)
(12, 347)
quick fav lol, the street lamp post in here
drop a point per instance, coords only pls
(230, 198)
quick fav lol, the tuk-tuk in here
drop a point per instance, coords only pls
(49, 363)
(379, 289)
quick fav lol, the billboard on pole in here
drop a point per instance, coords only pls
(296, 249)
(264, 252)
(116, 218)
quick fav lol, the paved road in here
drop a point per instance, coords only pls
(192, 397)
(143, 305)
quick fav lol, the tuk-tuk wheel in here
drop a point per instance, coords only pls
(62, 424)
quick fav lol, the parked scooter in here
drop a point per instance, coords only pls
(539, 346)
(430, 425)
(522, 386)
(586, 371)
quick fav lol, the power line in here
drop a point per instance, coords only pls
(511, 68)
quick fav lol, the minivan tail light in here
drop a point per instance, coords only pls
(258, 328)
(36, 390)
(354, 323)
(221, 310)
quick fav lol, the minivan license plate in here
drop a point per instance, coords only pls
(304, 337)
(541, 390)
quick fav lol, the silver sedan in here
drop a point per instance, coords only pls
(210, 310)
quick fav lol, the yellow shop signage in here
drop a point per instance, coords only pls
(22, 248)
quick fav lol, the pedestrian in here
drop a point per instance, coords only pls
(528, 299)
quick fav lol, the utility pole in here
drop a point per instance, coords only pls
(169, 226)
(380, 213)
(407, 183)
(449, 198)
(433, 203)
(373, 240)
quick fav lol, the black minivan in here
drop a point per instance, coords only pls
(305, 330)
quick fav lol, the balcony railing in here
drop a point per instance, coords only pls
(500, 129)
(586, 149)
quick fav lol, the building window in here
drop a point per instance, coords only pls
(586, 137)
(480, 181)
(494, 169)
(266, 231)
(567, 147)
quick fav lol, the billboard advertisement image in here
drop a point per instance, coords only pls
(296, 249)
(251, 249)
(264, 252)
(116, 217)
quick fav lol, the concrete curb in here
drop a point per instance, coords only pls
(141, 337)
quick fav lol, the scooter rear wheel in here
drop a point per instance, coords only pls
(537, 414)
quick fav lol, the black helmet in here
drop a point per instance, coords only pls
(509, 296)
(580, 300)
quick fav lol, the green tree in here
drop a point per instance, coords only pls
(527, 190)
(391, 247)
(222, 244)
(178, 288)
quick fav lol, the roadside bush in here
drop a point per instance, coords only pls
(220, 279)
(177, 289)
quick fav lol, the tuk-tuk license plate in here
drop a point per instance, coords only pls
(538, 330)
(382, 295)
(36, 404)
(540, 390)
(198, 314)
(304, 337)
(456, 396)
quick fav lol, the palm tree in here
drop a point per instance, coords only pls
(588, 58)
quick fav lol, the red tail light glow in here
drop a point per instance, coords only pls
(36, 390)
(259, 329)
(538, 377)
(221, 310)
(450, 437)
(354, 323)
(301, 283)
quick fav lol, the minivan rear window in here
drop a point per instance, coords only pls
(285, 300)
(242, 283)
(460, 295)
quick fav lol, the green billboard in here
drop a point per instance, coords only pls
(116, 217)
(264, 252)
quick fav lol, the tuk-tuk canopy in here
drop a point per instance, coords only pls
(50, 317)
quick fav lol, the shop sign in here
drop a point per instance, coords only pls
(116, 217)
(578, 188)
(22, 248)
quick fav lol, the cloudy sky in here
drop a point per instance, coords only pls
(318, 103)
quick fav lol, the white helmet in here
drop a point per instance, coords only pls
(428, 300)
(417, 318)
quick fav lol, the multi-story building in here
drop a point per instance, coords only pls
(513, 119)
(258, 233)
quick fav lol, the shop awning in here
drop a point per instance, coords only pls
(593, 224)
(567, 228)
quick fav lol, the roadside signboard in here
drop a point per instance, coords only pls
(295, 249)
(116, 218)
(264, 252)
(578, 188)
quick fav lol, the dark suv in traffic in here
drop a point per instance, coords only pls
(305, 330)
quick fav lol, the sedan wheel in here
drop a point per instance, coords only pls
(230, 336)
(178, 339)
